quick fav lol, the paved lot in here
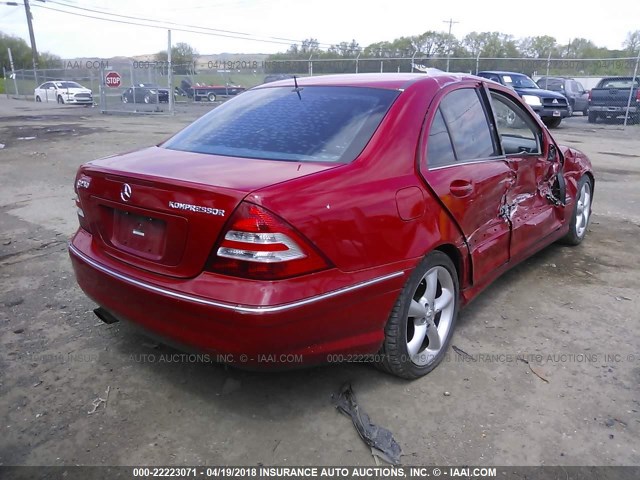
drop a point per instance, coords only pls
(572, 311)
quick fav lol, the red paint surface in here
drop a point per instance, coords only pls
(378, 215)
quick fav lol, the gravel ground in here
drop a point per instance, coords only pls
(570, 311)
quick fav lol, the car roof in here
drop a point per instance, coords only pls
(619, 78)
(390, 81)
(502, 72)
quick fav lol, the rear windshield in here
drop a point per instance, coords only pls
(326, 124)
(619, 83)
(556, 85)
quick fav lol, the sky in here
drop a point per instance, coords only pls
(278, 23)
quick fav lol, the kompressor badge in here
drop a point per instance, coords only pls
(196, 208)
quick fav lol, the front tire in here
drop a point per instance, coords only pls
(552, 122)
(38, 99)
(422, 320)
(60, 100)
(581, 212)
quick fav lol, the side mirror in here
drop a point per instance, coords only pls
(552, 153)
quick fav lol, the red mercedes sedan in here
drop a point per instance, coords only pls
(327, 218)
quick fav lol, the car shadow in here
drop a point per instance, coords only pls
(293, 392)
(260, 394)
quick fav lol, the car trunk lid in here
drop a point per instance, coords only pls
(162, 210)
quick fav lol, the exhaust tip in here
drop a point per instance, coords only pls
(106, 316)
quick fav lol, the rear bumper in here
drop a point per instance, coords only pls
(612, 110)
(346, 320)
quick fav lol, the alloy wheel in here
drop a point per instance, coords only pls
(430, 316)
(583, 209)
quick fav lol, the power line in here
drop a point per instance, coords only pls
(182, 27)
(124, 22)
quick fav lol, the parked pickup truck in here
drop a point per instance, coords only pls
(550, 106)
(610, 97)
(207, 92)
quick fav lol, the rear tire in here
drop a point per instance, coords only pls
(60, 100)
(422, 320)
(211, 97)
(38, 99)
(581, 212)
(592, 117)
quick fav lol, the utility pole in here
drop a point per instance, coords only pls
(32, 37)
(170, 74)
(450, 22)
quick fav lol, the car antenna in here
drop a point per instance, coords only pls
(297, 89)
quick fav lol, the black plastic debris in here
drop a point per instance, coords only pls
(378, 438)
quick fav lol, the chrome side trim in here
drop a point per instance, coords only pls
(228, 306)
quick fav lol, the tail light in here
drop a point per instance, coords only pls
(589, 96)
(638, 95)
(82, 181)
(258, 245)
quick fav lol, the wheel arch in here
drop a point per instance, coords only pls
(456, 258)
(589, 174)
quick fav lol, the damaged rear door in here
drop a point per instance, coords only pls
(465, 168)
(534, 204)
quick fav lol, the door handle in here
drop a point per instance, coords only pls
(461, 188)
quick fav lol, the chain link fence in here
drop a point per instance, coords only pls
(139, 90)
(590, 70)
(144, 86)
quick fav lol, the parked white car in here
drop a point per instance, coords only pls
(63, 92)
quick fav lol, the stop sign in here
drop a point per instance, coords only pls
(113, 79)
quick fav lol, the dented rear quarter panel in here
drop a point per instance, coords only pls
(352, 213)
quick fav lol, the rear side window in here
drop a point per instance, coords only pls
(439, 149)
(327, 124)
(468, 125)
(555, 85)
(619, 83)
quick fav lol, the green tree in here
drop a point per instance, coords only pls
(309, 46)
(183, 56)
(345, 49)
(21, 53)
(49, 60)
(491, 45)
(538, 47)
(632, 43)
(580, 48)
(432, 43)
(378, 50)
